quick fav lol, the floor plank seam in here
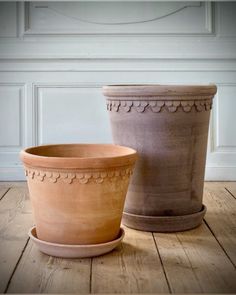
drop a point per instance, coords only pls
(17, 263)
(190, 262)
(212, 232)
(91, 276)
(230, 193)
(5, 193)
(162, 264)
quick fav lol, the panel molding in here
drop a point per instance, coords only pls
(25, 29)
(118, 22)
(36, 101)
(10, 168)
(109, 46)
(22, 116)
(215, 146)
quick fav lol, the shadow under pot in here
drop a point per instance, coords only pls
(78, 191)
(168, 126)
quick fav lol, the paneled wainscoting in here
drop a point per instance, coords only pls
(198, 261)
(56, 56)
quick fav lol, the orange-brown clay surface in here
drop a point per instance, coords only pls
(78, 190)
(75, 251)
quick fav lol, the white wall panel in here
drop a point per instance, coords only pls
(221, 158)
(13, 127)
(71, 113)
(11, 115)
(225, 120)
(52, 67)
(225, 19)
(8, 17)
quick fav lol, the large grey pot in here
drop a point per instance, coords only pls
(168, 126)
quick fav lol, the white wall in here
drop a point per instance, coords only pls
(54, 57)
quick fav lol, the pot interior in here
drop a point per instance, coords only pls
(149, 90)
(80, 151)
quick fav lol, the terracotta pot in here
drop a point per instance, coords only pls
(78, 190)
(168, 126)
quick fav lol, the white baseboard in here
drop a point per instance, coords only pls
(220, 174)
(12, 174)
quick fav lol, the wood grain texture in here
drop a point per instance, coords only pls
(221, 216)
(134, 267)
(194, 262)
(3, 191)
(39, 273)
(231, 187)
(15, 220)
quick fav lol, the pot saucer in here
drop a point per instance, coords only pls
(74, 251)
(164, 223)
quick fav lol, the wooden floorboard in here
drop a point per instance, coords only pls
(134, 267)
(15, 221)
(221, 216)
(39, 273)
(194, 262)
(197, 261)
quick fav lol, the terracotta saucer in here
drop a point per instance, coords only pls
(164, 223)
(75, 251)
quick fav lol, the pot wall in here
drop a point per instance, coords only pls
(78, 191)
(86, 209)
(170, 133)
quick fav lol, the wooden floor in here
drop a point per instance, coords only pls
(197, 261)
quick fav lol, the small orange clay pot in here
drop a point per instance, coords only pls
(78, 190)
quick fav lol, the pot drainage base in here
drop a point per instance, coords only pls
(164, 223)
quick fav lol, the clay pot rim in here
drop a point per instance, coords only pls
(33, 235)
(167, 91)
(126, 158)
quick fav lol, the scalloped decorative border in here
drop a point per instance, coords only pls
(157, 106)
(81, 177)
